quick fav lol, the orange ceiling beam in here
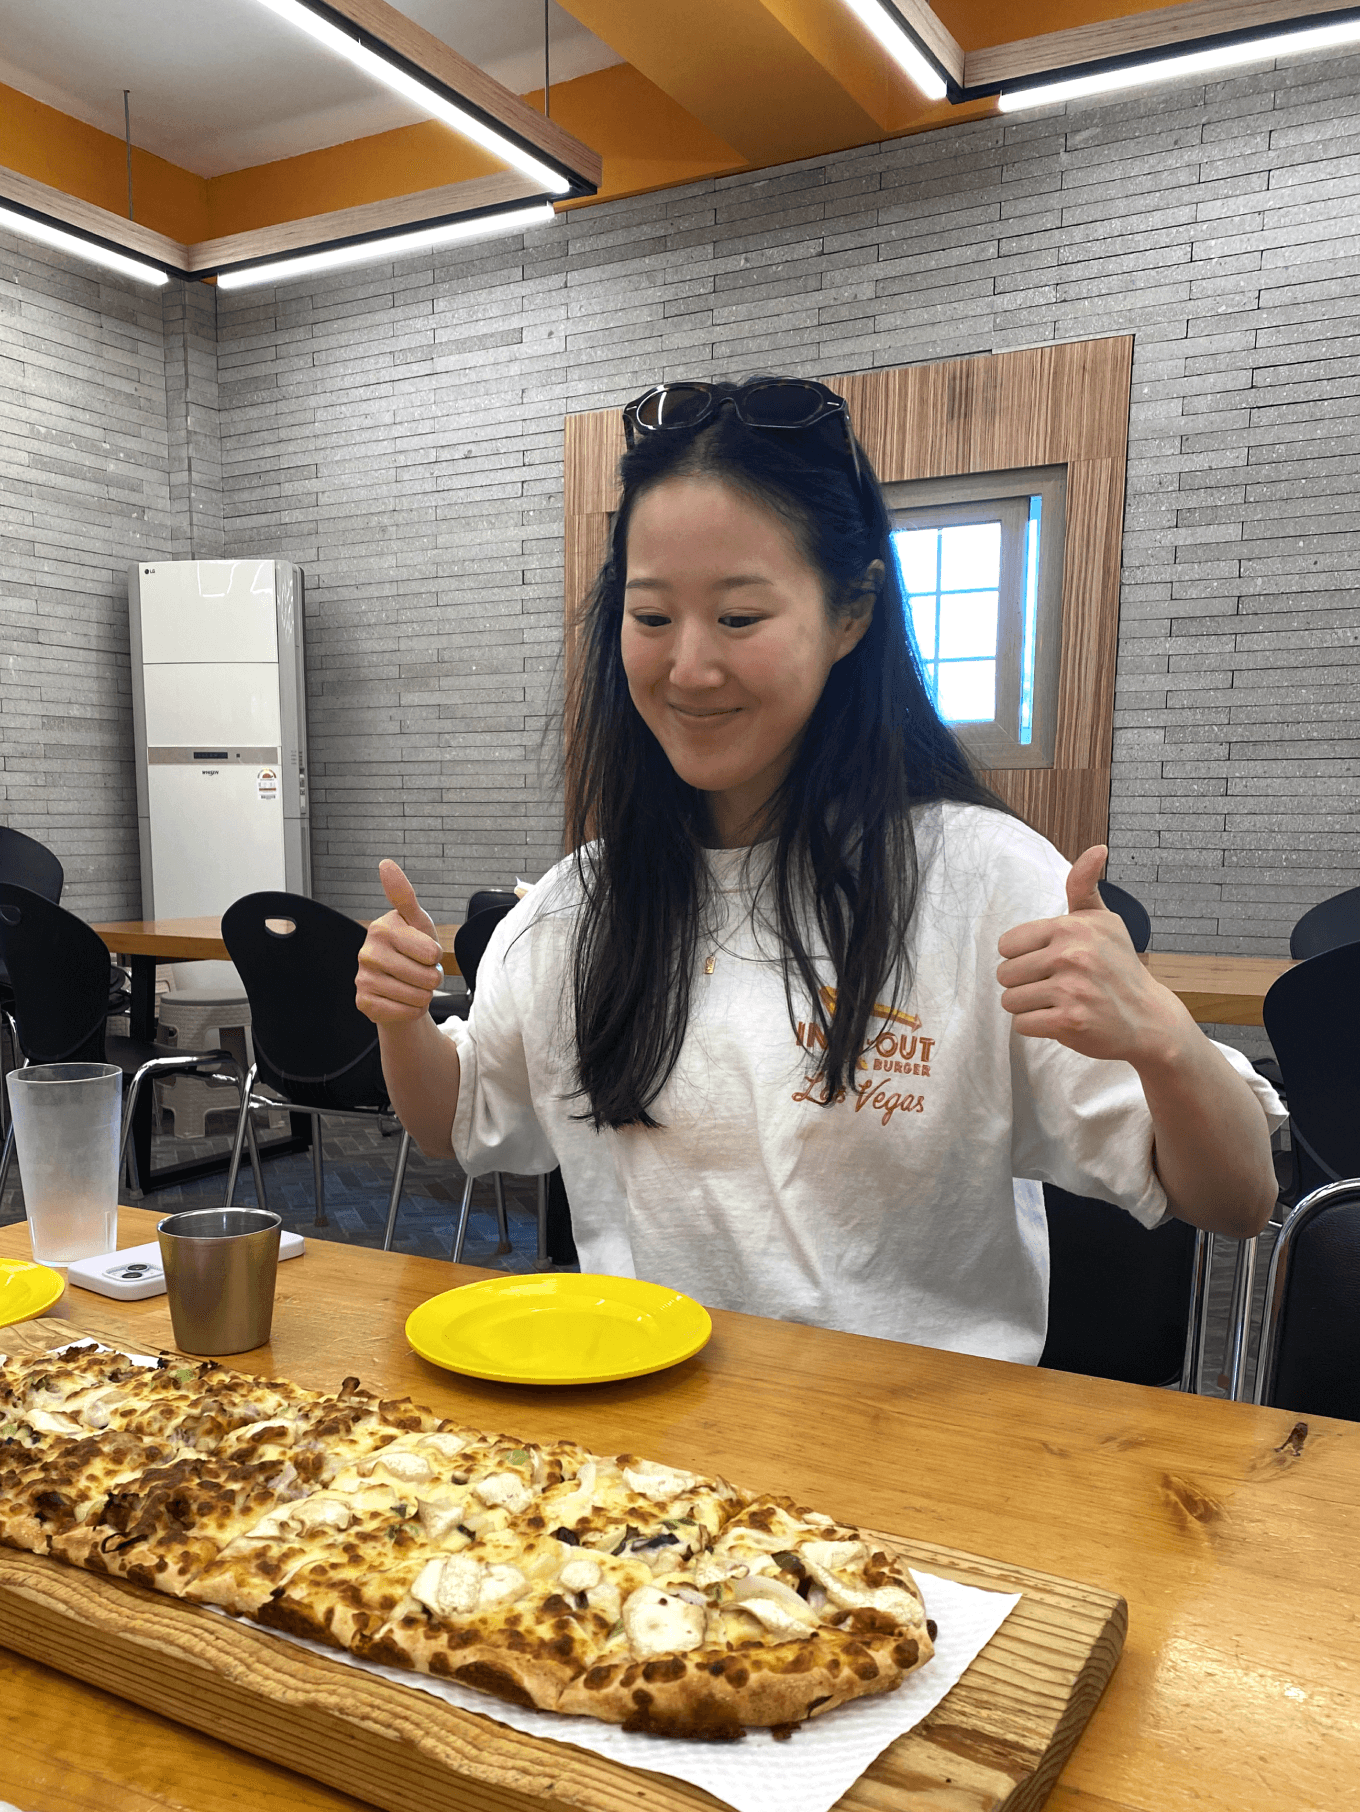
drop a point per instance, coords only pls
(741, 68)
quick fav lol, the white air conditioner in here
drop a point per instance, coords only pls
(219, 708)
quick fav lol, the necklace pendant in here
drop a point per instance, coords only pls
(708, 965)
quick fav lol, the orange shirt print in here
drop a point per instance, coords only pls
(898, 1050)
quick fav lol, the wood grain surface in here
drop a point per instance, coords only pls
(1229, 1534)
(200, 940)
(1168, 29)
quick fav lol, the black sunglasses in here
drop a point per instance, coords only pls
(787, 405)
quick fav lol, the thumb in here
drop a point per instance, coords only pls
(1082, 892)
(402, 895)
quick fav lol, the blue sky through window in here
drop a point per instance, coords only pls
(952, 578)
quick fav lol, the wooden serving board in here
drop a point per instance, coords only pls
(996, 1743)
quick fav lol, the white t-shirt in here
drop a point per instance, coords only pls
(893, 1212)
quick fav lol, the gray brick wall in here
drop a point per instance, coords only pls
(84, 489)
(397, 430)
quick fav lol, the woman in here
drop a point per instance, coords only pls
(758, 1017)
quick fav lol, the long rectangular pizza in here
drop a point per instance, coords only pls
(543, 1574)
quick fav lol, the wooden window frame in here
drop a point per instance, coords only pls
(1064, 405)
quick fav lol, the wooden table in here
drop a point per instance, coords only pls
(1239, 1679)
(1219, 990)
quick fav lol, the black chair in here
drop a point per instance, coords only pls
(24, 862)
(1124, 1301)
(1135, 915)
(469, 947)
(59, 971)
(492, 899)
(1310, 1014)
(313, 1047)
(1310, 1340)
(1325, 926)
(555, 1243)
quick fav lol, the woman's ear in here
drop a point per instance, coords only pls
(857, 611)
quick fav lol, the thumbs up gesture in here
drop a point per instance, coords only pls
(399, 965)
(1078, 980)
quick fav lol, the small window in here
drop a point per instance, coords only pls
(981, 558)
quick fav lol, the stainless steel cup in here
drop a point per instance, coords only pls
(220, 1265)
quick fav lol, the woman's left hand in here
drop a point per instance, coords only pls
(1078, 979)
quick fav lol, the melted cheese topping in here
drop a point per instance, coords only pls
(659, 1483)
(505, 1490)
(657, 1623)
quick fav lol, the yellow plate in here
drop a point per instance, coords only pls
(558, 1328)
(26, 1289)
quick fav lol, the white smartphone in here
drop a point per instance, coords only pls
(136, 1271)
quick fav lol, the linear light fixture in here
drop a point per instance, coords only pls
(887, 25)
(345, 43)
(31, 227)
(387, 245)
(1230, 53)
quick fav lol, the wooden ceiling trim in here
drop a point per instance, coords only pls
(424, 207)
(128, 235)
(1166, 29)
(935, 35)
(421, 48)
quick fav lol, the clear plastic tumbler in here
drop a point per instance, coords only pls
(66, 1124)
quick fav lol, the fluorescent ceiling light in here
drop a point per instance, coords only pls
(81, 248)
(428, 99)
(899, 44)
(391, 245)
(1192, 63)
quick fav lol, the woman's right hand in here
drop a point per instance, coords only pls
(399, 966)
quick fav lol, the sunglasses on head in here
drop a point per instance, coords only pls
(784, 405)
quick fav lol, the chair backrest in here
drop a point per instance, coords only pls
(1123, 1300)
(24, 862)
(1310, 1015)
(1323, 927)
(298, 960)
(59, 974)
(1133, 912)
(470, 941)
(489, 899)
(1310, 1340)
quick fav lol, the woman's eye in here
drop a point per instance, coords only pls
(650, 619)
(737, 622)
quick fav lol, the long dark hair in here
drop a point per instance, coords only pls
(844, 862)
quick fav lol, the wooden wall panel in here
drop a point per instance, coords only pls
(1048, 405)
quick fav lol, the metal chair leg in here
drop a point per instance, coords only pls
(398, 1177)
(256, 1169)
(463, 1214)
(1195, 1320)
(1239, 1325)
(542, 1220)
(127, 1161)
(318, 1172)
(501, 1222)
(5, 1158)
(242, 1121)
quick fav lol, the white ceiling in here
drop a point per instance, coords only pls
(221, 85)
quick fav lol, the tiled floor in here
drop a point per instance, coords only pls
(359, 1162)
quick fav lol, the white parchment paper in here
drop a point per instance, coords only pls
(810, 1771)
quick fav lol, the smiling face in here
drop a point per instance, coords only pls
(727, 642)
